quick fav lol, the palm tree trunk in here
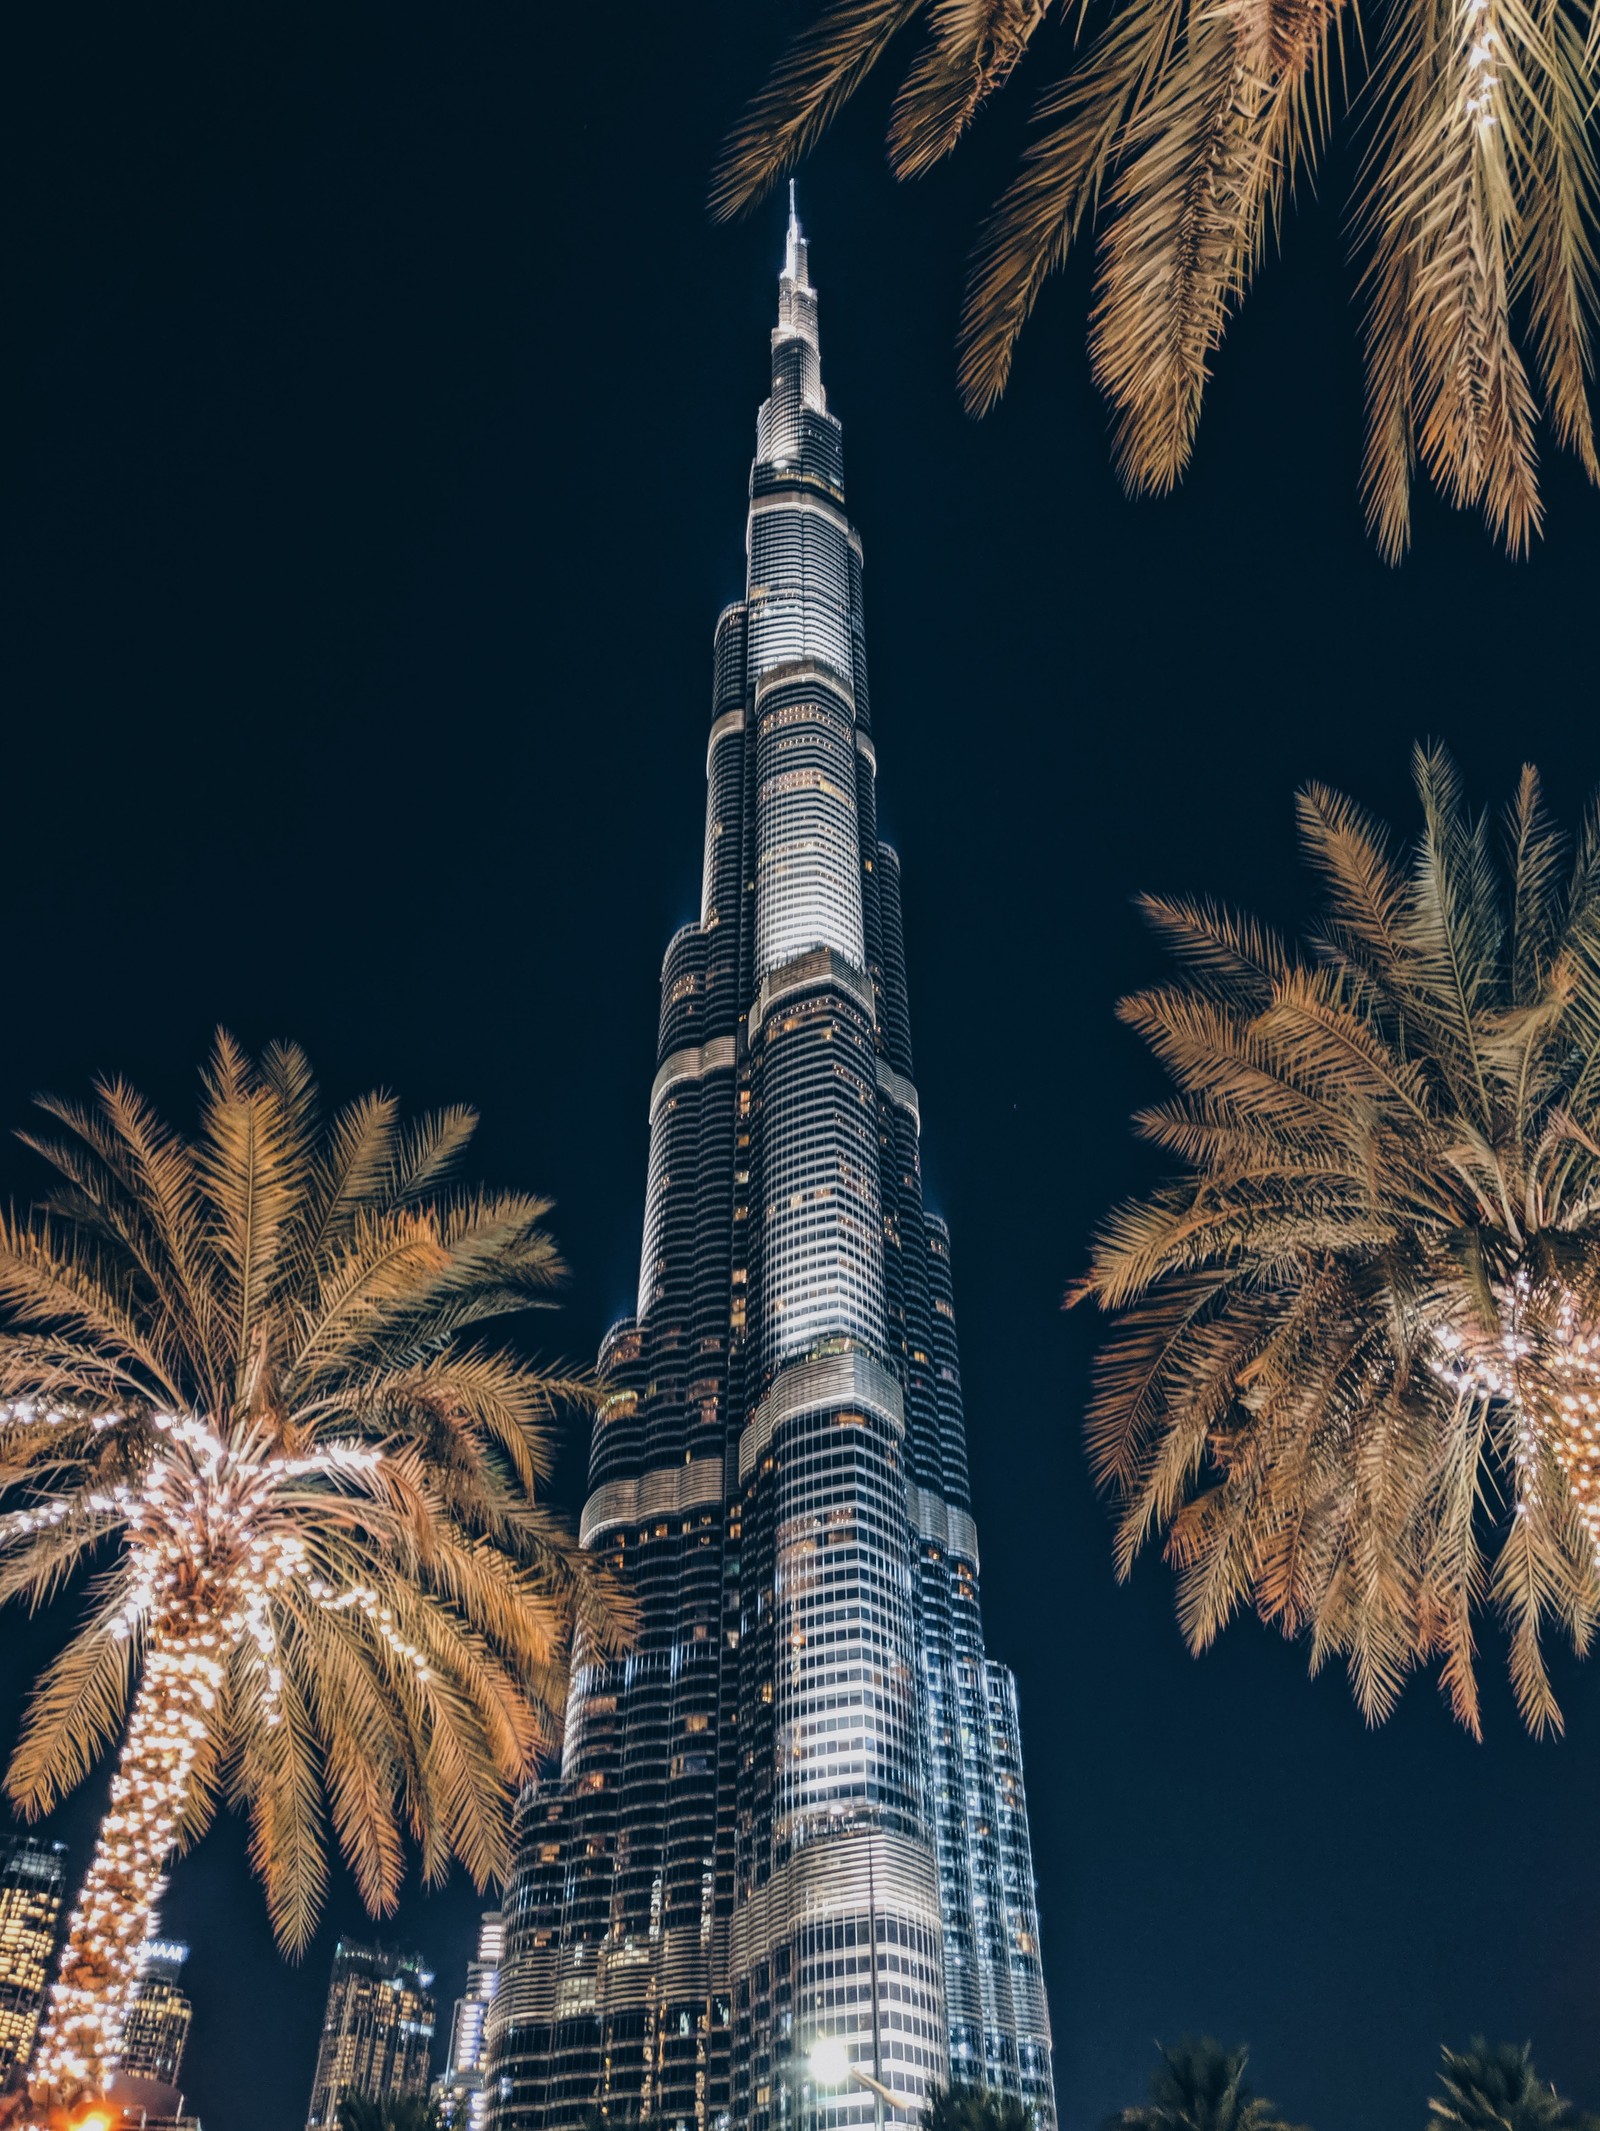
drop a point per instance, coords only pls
(167, 1730)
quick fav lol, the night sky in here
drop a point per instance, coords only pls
(377, 427)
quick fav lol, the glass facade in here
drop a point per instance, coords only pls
(157, 2026)
(463, 2102)
(794, 1813)
(377, 2031)
(32, 1883)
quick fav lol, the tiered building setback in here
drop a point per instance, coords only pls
(794, 1815)
(459, 2091)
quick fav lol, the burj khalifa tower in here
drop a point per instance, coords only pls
(784, 1878)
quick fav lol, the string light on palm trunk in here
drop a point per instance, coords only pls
(210, 1551)
(1545, 1369)
(100, 1962)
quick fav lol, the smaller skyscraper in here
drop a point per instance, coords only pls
(158, 2021)
(377, 2031)
(460, 2092)
(32, 1883)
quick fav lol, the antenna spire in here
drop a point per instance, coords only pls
(794, 250)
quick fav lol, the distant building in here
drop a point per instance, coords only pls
(32, 1883)
(158, 2022)
(460, 2092)
(377, 2031)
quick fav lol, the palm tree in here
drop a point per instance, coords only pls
(1355, 1376)
(1182, 127)
(1199, 2086)
(1484, 2089)
(971, 2108)
(402, 2112)
(235, 1392)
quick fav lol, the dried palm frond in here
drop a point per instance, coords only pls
(974, 46)
(811, 84)
(1203, 174)
(1456, 84)
(1181, 126)
(1354, 1376)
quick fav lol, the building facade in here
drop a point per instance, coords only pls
(459, 2091)
(377, 2032)
(32, 1886)
(789, 1845)
(157, 2026)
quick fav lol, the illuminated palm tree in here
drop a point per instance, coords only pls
(1199, 2086)
(237, 1395)
(1355, 1374)
(1182, 127)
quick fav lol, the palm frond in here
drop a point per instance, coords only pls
(349, 1173)
(52, 1276)
(1183, 129)
(1205, 167)
(288, 1845)
(1559, 206)
(1348, 1331)
(1242, 958)
(247, 1156)
(1538, 852)
(428, 1152)
(813, 81)
(1080, 124)
(1438, 211)
(973, 49)
(74, 1712)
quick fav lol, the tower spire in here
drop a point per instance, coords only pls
(794, 249)
(797, 306)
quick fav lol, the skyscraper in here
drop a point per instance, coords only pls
(32, 1883)
(377, 2031)
(157, 2026)
(788, 1852)
(460, 2090)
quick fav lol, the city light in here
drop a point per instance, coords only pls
(830, 2061)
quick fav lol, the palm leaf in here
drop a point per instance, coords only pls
(1349, 1330)
(1080, 125)
(74, 1712)
(813, 81)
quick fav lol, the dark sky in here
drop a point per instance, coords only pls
(376, 441)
